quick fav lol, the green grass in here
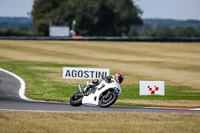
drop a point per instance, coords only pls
(42, 87)
(171, 93)
(39, 86)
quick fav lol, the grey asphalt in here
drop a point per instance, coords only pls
(10, 101)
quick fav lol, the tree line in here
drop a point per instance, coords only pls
(166, 28)
(166, 32)
(23, 23)
(96, 18)
(16, 26)
(15, 32)
(92, 17)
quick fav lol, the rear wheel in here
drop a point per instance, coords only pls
(76, 99)
(107, 99)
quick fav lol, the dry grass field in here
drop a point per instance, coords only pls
(40, 122)
(177, 64)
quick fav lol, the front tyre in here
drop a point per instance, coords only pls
(76, 99)
(108, 101)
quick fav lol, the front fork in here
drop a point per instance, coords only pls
(80, 88)
(108, 94)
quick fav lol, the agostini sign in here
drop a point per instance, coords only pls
(85, 73)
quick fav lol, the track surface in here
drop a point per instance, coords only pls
(10, 101)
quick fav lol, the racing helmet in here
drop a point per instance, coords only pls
(119, 77)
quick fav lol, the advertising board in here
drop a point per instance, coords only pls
(84, 73)
(152, 88)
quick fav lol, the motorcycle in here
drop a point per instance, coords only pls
(96, 93)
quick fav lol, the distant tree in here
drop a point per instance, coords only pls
(145, 33)
(162, 32)
(166, 32)
(43, 13)
(171, 23)
(15, 32)
(178, 31)
(21, 23)
(93, 17)
(133, 33)
(190, 32)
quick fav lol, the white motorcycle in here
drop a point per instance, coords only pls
(96, 93)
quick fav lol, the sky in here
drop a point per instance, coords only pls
(166, 9)
(170, 9)
(15, 8)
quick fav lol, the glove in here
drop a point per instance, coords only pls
(107, 79)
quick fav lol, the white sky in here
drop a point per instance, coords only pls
(172, 9)
(15, 8)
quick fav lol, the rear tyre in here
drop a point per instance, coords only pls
(108, 101)
(76, 99)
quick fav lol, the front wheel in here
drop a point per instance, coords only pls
(76, 99)
(106, 101)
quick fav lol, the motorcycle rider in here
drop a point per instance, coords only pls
(119, 77)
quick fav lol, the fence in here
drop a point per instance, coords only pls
(124, 39)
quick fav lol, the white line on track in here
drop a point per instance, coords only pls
(195, 109)
(22, 86)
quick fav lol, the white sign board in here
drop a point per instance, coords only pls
(152, 88)
(84, 73)
(59, 31)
